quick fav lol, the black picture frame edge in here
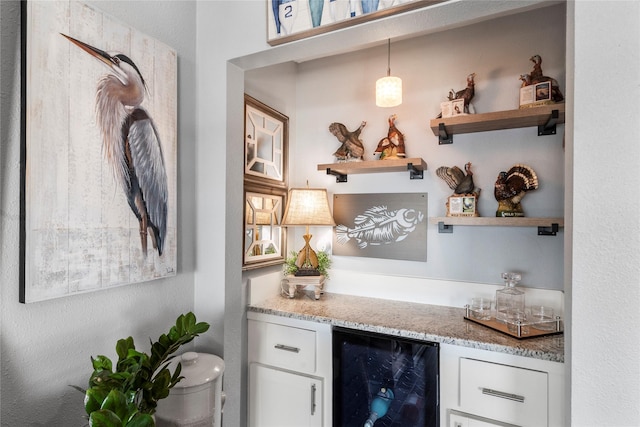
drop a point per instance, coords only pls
(23, 151)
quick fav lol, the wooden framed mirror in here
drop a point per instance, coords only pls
(266, 140)
(264, 240)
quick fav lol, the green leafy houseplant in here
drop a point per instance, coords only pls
(128, 396)
(324, 263)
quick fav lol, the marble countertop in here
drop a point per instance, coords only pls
(410, 320)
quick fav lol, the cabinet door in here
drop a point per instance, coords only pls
(283, 399)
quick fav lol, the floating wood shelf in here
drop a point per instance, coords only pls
(416, 166)
(545, 117)
(546, 226)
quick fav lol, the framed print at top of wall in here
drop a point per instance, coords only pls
(290, 20)
(266, 141)
(98, 153)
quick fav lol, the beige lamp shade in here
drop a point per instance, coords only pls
(307, 206)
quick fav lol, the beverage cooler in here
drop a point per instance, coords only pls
(384, 381)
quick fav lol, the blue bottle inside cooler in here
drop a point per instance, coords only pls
(379, 405)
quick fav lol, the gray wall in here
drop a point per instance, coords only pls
(46, 346)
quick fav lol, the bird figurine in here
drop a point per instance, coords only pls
(511, 187)
(391, 146)
(467, 93)
(460, 182)
(537, 76)
(351, 147)
(131, 143)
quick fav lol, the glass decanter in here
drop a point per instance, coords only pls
(510, 299)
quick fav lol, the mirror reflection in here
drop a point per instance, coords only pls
(263, 231)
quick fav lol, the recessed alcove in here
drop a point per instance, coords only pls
(331, 77)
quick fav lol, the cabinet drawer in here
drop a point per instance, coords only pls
(283, 346)
(505, 393)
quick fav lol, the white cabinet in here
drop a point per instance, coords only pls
(283, 399)
(510, 394)
(481, 388)
(289, 372)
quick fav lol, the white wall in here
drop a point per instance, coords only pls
(46, 346)
(605, 292)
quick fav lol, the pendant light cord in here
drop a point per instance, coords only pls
(388, 57)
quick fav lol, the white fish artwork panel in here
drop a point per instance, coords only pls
(391, 226)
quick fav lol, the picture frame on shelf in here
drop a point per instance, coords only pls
(462, 205)
(266, 144)
(536, 94)
(291, 20)
(264, 237)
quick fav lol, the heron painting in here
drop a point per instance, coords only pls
(131, 143)
(100, 174)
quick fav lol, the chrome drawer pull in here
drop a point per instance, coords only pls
(502, 394)
(313, 399)
(287, 348)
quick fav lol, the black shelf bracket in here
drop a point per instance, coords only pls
(340, 177)
(414, 173)
(444, 228)
(549, 128)
(548, 231)
(443, 137)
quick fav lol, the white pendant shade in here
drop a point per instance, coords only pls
(389, 91)
(389, 88)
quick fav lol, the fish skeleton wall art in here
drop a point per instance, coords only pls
(381, 225)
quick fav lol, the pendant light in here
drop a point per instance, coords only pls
(388, 89)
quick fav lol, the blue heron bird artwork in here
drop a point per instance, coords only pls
(100, 180)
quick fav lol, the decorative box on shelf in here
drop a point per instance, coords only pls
(291, 283)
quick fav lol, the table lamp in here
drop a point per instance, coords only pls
(307, 206)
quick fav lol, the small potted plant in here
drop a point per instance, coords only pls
(324, 263)
(128, 395)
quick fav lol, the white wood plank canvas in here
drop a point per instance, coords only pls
(86, 151)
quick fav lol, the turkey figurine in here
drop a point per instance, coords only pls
(537, 76)
(467, 93)
(465, 194)
(511, 187)
(391, 146)
(352, 147)
(460, 182)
